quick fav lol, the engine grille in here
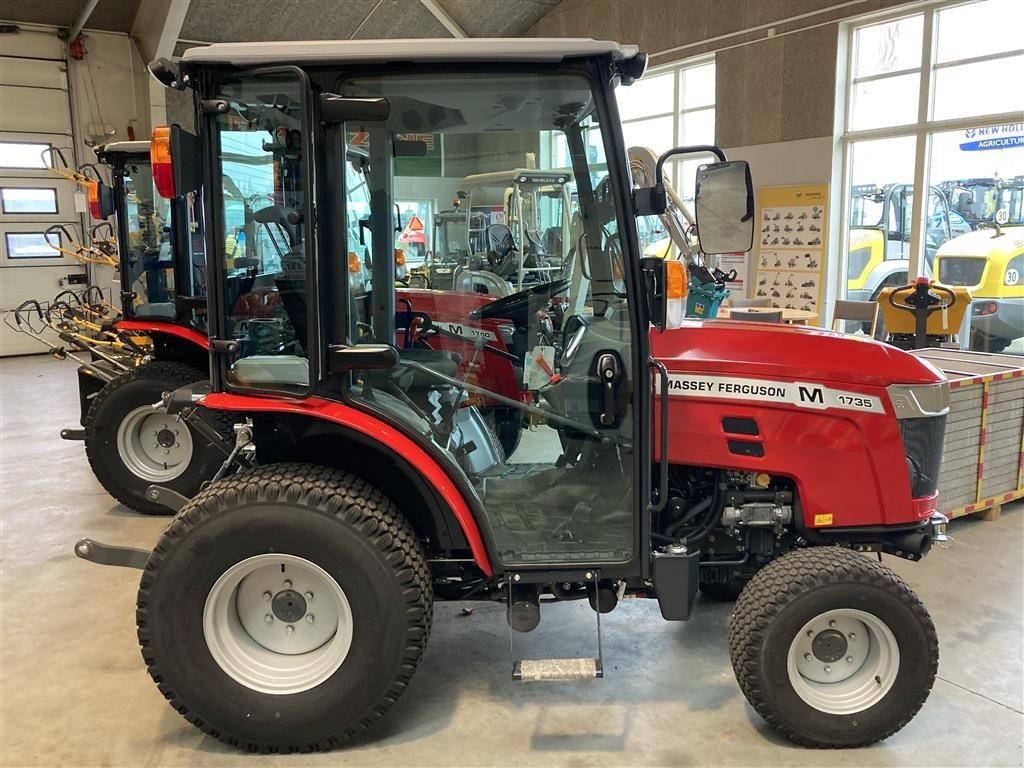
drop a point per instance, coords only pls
(961, 270)
(922, 443)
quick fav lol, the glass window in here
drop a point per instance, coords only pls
(17, 154)
(655, 133)
(884, 102)
(29, 199)
(697, 86)
(975, 29)
(261, 163)
(976, 89)
(500, 362)
(892, 46)
(648, 95)
(29, 245)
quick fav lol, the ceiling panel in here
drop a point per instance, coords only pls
(218, 21)
(110, 15)
(497, 18)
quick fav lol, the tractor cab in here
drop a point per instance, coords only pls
(161, 242)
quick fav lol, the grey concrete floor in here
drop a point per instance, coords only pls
(74, 691)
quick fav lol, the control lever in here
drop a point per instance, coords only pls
(608, 372)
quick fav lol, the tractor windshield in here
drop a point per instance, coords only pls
(517, 364)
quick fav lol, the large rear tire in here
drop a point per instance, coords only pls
(131, 446)
(285, 546)
(832, 649)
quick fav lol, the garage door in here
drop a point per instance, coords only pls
(35, 114)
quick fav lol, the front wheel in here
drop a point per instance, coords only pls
(285, 609)
(832, 649)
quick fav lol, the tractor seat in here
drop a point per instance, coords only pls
(163, 310)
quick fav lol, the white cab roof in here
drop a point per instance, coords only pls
(529, 49)
(127, 147)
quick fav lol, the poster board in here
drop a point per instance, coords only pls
(791, 237)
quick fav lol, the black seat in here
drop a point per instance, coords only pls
(502, 252)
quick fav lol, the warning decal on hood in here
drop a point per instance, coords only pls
(803, 395)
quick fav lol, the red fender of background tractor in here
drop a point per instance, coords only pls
(359, 421)
(849, 466)
(157, 326)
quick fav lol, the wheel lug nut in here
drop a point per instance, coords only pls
(309, 618)
(853, 636)
(808, 657)
(268, 618)
(167, 450)
(289, 629)
(827, 670)
(832, 623)
(287, 584)
(267, 596)
(309, 595)
(810, 633)
(849, 659)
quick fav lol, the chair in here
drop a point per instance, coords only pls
(746, 303)
(857, 311)
(756, 317)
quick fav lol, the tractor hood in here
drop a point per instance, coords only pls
(794, 353)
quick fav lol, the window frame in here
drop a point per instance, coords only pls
(31, 259)
(922, 130)
(44, 146)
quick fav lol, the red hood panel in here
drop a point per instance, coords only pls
(767, 350)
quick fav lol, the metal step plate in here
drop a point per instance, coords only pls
(537, 670)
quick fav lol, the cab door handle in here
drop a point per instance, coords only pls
(608, 372)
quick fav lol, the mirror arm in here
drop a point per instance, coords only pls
(697, 149)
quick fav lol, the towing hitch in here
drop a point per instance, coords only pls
(108, 554)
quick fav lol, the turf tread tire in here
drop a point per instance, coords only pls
(776, 586)
(332, 492)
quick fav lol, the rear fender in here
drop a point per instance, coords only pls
(332, 420)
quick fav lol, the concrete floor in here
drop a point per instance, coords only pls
(75, 692)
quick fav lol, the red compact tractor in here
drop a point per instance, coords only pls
(288, 604)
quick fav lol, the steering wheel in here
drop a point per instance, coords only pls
(919, 296)
(517, 307)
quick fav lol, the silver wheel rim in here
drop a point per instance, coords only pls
(843, 661)
(277, 624)
(153, 445)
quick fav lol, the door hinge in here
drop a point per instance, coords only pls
(223, 346)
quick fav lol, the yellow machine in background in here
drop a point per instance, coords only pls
(923, 314)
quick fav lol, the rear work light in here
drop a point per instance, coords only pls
(675, 293)
(101, 199)
(174, 156)
(354, 264)
(162, 162)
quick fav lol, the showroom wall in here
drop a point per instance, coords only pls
(775, 79)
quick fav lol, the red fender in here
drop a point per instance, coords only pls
(171, 329)
(351, 418)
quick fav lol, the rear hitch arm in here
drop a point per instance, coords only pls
(109, 554)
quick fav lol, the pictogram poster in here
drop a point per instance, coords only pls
(791, 237)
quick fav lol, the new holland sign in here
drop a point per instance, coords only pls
(1006, 136)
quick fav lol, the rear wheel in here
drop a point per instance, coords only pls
(285, 609)
(832, 649)
(132, 445)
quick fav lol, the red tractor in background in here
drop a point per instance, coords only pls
(287, 605)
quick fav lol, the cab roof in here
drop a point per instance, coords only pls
(533, 49)
(124, 147)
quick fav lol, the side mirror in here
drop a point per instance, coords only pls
(724, 203)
